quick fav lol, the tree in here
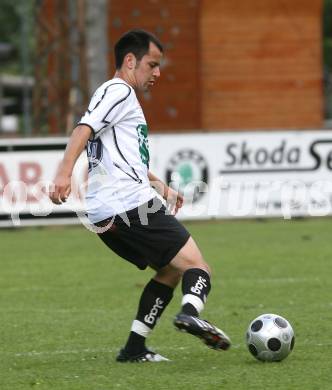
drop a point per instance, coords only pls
(327, 34)
(14, 16)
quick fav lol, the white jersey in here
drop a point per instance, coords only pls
(119, 152)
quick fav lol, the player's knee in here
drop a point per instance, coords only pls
(190, 257)
(188, 263)
(201, 265)
(169, 276)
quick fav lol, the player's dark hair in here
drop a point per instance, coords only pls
(134, 41)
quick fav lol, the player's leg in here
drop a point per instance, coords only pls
(196, 286)
(195, 272)
(155, 297)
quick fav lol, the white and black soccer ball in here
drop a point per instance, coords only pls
(270, 337)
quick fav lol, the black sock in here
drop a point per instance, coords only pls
(135, 344)
(195, 288)
(154, 299)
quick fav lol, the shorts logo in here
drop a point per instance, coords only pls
(187, 171)
(152, 316)
(200, 284)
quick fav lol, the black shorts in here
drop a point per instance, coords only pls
(152, 240)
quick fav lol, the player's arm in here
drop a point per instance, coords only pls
(173, 198)
(62, 181)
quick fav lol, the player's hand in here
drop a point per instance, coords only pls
(174, 200)
(60, 189)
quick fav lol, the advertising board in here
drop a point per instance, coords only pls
(222, 175)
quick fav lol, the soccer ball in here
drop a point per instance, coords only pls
(270, 337)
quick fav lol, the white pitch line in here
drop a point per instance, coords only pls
(74, 352)
(62, 352)
(88, 350)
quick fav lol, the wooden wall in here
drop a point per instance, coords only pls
(173, 102)
(230, 64)
(261, 64)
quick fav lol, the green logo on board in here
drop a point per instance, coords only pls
(187, 171)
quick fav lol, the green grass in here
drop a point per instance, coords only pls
(66, 304)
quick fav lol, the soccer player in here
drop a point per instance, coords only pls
(121, 199)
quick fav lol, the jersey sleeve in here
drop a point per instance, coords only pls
(108, 106)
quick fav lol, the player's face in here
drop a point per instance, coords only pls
(148, 69)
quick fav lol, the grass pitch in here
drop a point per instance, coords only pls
(67, 303)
